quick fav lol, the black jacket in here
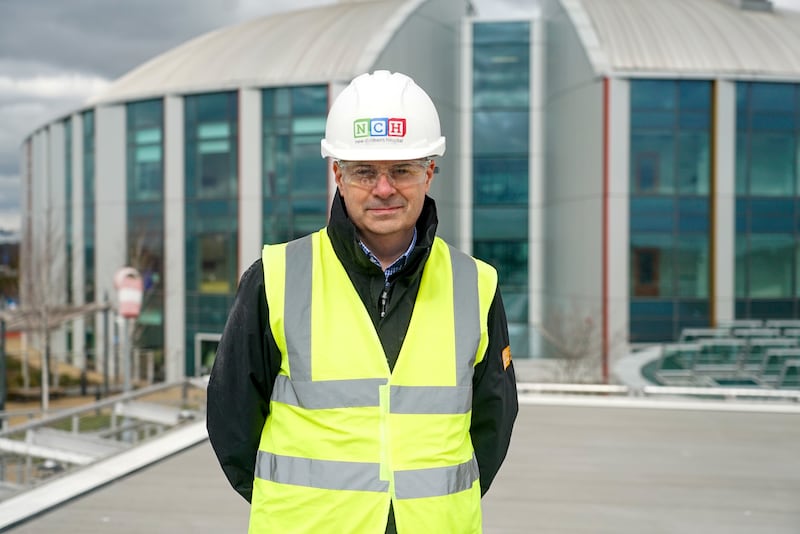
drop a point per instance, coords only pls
(248, 360)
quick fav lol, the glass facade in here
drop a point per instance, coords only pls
(767, 200)
(500, 148)
(68, 204)
(145, 215)
(88, 225)
(211, 133)
(670, 175)
(295, 185)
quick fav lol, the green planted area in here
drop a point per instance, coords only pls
(744, 354)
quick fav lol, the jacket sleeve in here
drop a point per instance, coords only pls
(494, 399)
(241, 382)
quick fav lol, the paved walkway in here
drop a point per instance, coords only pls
(571, 469)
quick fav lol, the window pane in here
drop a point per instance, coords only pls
(693, 163)
(213, 130)
(652, 120)
(772, 164)
(741, 164)
(267, 103)
(500, 32)
(215, 174)
(772, 215)
(652, 214)
(214, 147)
(500, 181)
(653, 153)
(695, 95)
(309, 170)
(771, 263)
(510, 258)
(151, 135)
(500, 132)
(692, 266)
(309, 125)
(653, 94)
(773, 308)
(741, 266)
(148, 154)
(645, 271)
(659, 247)
(694, 121)
(501, 75)
(147, 181)
(779, 122)
(693, 215)
(773, 97)
(214, 264)
(310, 101)
(500, 223)
(646, 172)
(282, 101)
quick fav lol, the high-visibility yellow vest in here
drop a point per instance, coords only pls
(346, 436)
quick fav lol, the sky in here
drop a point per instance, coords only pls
(54, 54)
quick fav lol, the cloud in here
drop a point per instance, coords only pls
(72, 85)
(110, 37)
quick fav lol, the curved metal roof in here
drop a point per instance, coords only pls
(690, 37)
(316, 45)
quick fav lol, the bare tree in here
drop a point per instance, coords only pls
(573, 338)
(43, 308)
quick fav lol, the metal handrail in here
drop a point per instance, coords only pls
(784, 394)
(6, 414)
(110, 401)
(546, 387)
(606, 389)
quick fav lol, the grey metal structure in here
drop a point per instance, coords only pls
(60, 443)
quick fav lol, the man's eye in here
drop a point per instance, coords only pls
(401, 171)
(364, 172)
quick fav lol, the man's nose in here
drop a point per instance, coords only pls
(383, 187)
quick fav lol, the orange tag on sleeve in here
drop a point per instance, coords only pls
(506, 357)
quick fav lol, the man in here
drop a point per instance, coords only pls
(363, 382)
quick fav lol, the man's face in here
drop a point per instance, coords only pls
(384, 198)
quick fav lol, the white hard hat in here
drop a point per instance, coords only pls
(382, 116)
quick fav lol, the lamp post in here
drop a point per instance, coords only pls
(130, 287)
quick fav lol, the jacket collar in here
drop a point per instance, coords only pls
(343, 237)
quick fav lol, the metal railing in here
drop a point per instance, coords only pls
(62, 441)
(730, 393)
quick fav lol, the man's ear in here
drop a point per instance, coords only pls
(430, 171)
(337, 174)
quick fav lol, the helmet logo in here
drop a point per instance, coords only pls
(380, 127)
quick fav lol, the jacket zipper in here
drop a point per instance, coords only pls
(384, 300)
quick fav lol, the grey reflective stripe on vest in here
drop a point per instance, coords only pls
(364, 392)
(324, 394)
(436, 481)
(466, 310)
(358, 476)
(324, 474)
(430, 399)
(297, 307)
